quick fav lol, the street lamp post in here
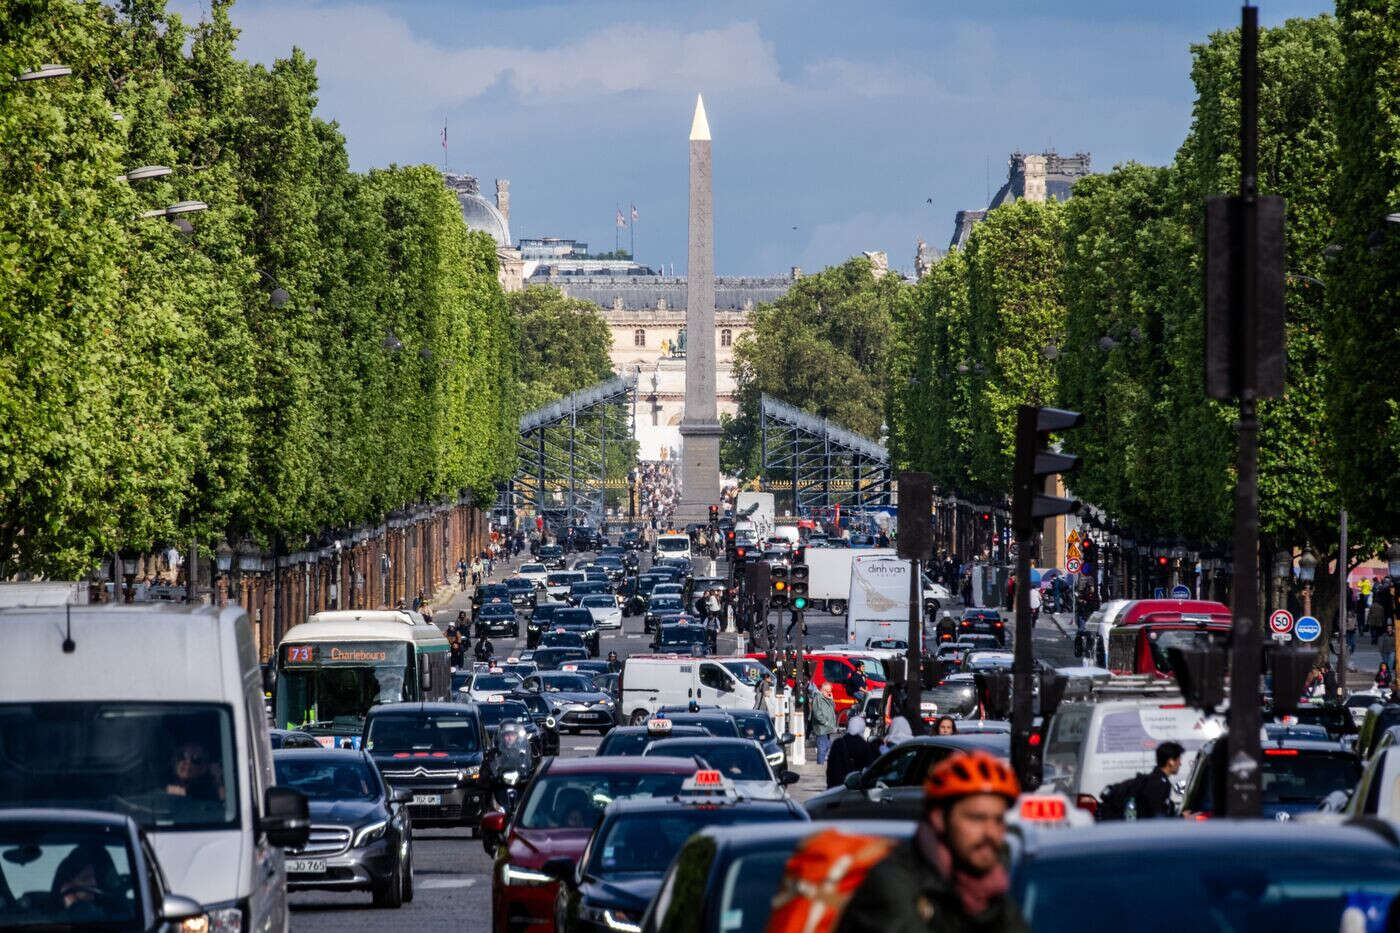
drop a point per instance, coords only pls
(1307, 569)
(1392, 559)
(1283, 569)
(223, 558)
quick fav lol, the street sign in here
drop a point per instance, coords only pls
(1307, 629)
(1181, 591)
(1072, 565)
(1159, 592)
(1282, 638)
(1281, 621)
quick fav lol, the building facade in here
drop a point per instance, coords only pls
(494, 219)
(1029, 177)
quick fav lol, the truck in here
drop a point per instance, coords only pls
(758, 508)
(877, 603)
(829, 575)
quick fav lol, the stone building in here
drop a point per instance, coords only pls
(494, 219)
(646, 315)
(1030, 177)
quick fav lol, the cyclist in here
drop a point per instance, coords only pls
(950, 876)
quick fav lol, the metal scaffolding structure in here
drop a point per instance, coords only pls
(825, 464)
(563, 448)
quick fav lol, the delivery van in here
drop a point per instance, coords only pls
(650, 681)
(155, 711)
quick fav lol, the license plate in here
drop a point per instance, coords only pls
(306, 866)
(427, 800)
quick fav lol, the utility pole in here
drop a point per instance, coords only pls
(1245, 362)
(1342, 614)
(914, 543)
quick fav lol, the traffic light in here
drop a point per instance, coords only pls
(714, 513)
(994, 694)
(986, 516)
(797, 582)
(778, 585)
(1035, 461)
(1088, 550)
(1162, 560)
(915, 539)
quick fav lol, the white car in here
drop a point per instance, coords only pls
(604, 608)
(486, 684)
(535, 573)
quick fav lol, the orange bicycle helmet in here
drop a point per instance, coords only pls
(967, 773)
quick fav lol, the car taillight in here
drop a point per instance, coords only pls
(1286, 752)
(1087, 802)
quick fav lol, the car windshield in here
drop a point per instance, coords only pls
(599, 601)
(68, 878)
(749, 672)
(331, 684)
(628, 742)
(565, 578)
(872, 668)
(495, 713)
(1161, 640)
(1292, 776)
(531, 568)
(167, 766)
(753, 725)
(326, 777)
(519, 583)
(664, 602)
(952, 699)
(683, 635)
(645, 843)
(673, 545)
(423, 732)
(747, 896)
(561, 640)
(1224, 891)
(573, 616)
(720, 725)
(736, 761)
(571, 683)
(536, 704)
(502, 682)
(577, 801)
(497, 611)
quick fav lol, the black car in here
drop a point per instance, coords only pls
(633, 740)
(658, 606)
(539, 621)
(361, 836)
(549, 659)
(489, 593)
(704, 896)
(562, 638)
(713, 720)
(497, 619)
(892, 788)
(574, 701)
(434, 750)
(634, 844)
(1249, 876)
(983, 622)
(589, 588)
(507, 708)
(543, 717)
(552, 556)
(684, 635)
(612, 565)
(48, 856)
(1297, 775)
(291, 738)
(632, 540)
(756, 724)
(522, 592)
(580, 622)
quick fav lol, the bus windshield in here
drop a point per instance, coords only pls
(327, 686)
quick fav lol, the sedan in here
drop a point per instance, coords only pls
(740, 760)
(983, 622)
(574, 701)
(892, 788)
(606, 613)
(480, 686)
(497, 619)
(361, 838)
(658, 606)
(535, 573)
(522, 592)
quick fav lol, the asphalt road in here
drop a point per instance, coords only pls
(451, 872)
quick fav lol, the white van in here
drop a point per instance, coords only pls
(650, 681)
(1091, 745)
(154, 711)
(677, 545)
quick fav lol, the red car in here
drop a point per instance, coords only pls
(556, 815)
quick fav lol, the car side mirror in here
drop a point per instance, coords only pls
(400, 795)
(560, 869)
(853, 780)
(788, 778)
(787, 739)
(286, 818)
(425, 680)
(177, 911)
(494, 821)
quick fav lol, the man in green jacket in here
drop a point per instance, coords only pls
(950, 877)
(823, 720)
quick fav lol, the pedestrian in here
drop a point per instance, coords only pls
(418, 601)
(823, 721)
(1386, 646)
(898, 733)
(1154, 794)
(457, 652)
(849, 754)
(1375, 613)
(951, 874)
(462, 573)
(1384, 678)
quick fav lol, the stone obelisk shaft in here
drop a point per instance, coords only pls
(700, 430)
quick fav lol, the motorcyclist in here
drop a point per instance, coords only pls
(950, 876)
(947, 627)
(614, 665)
(484, 649)
(512, 760)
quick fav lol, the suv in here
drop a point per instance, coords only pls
(552, 556)
(435, 751)
(1297, 775)
(497, 619)
(892, 788)
(983, 622)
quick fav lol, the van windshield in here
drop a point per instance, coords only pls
(673, 545)
(168, 766)
(424, 732)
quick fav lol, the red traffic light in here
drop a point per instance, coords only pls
(986, 516)
(739, 552)
(1162, 561)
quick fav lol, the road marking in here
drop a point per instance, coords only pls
(584, 748)
(440, 884)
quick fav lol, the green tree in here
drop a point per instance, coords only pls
(562, 342)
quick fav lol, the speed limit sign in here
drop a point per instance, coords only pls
(1072, 565)
(1281, 621)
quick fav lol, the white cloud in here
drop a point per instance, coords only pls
(364, 53)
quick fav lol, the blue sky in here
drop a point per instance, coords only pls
(837, 119)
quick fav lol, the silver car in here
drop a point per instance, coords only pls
(604, 609)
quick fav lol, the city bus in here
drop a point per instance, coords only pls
(336, 665)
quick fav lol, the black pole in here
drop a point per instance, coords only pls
(1242, 791)
(913, 684)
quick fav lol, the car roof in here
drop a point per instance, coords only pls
(973, 741)
(711, 740)
(1264, 840)
(622, 764)
(629, 806)
(408, 709)
(330, 754)
(742, 838)
(70, 816)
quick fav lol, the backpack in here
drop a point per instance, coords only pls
(820, 877)
(1113, 802)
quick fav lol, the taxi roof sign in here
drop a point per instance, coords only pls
(709, 786)
(658, 725)
(496, 698)
(1048, 811)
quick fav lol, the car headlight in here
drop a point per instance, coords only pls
(605, 702)
(225, 918)
(612, 918)
(549, 721)
(512, 875)
(371, 833)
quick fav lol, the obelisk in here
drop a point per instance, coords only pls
(700, 430)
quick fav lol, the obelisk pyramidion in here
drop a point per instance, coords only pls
(700, 430)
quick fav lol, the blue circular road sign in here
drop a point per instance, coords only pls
(1181, 591)
(1307, 629)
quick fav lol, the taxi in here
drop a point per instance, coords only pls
(633, 740)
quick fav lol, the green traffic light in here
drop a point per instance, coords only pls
(799, 602)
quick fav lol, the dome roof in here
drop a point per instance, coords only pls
(481, 214)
